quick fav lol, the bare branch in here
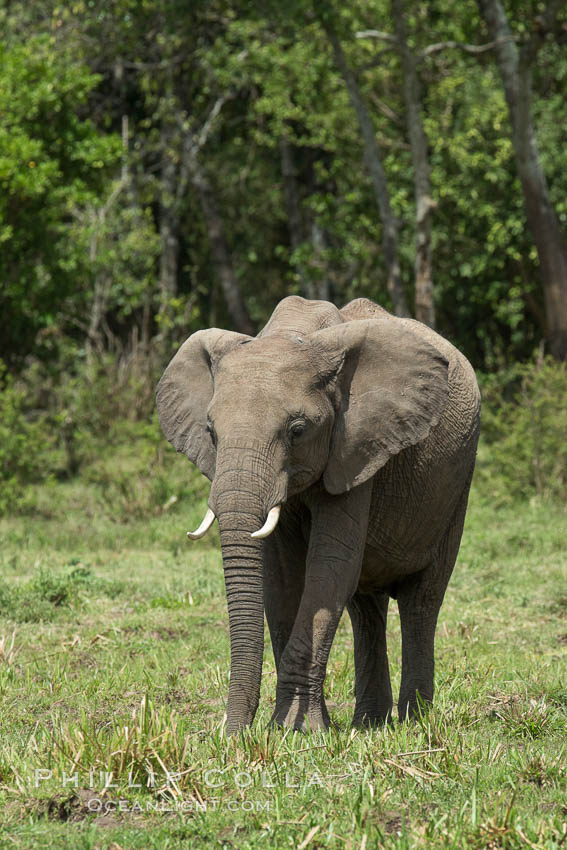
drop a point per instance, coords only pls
(383, 36)
(156, 66)
(201, 138)
(457, 45)
(424, 203)
(386, 110)
(113, 196)
(194, 142)
(441, 45)
(220, 250)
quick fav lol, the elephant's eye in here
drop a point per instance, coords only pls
(211, 432)
(296, 430)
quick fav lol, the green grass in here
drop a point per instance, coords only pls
(114, 657)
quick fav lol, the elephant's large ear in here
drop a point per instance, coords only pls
(185, 391)
(393, 389)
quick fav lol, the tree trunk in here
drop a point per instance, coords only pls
(219, 247)
(293, 209)
(94, 344)
(169, 250)
(168, 216)
(424, 305)
(515, 72)
(320, 288)
(169, 232)
(374, 164)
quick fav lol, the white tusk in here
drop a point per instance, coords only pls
(270, 524)
(204, 527)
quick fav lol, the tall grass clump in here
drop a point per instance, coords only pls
(24, 446)
(523, 449)
(91, 425)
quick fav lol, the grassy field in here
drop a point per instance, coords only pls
(114, 663)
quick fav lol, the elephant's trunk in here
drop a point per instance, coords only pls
(243, 577)
(240, 501)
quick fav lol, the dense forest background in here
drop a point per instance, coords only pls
(169, 166)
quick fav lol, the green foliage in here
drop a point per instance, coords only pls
(483, 301)
(134, 480)
(525, 451)
(115, 247)
(90, 402)
(99, 108)
(103, 233)
(24, 446)
(52, 158)
(38, 599)
(100, 425)
(98, 394)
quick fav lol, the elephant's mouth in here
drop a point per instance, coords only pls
(300, 477)
(269, 526)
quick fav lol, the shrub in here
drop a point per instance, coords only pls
(38, 599)
(90, 399)
(524, 428)
(24, 445)
(138, 475)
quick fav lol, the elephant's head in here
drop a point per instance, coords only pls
(313, 397)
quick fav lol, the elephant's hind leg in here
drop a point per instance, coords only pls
(419, 599)
(368, 613)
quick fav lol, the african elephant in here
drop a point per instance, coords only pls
(340, 445)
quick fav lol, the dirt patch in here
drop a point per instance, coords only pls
(81, 804)
(165, 633)
(502, 703)
(80, 659)
(176, 696)
(393, 822)
(389, 821)
(159, 633)
(209, 701)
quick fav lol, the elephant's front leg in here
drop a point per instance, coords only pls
(334, 558)
(285, 554)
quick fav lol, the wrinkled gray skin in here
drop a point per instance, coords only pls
(364, 428)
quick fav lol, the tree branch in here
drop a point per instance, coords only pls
(202, 137)
(475, 49)
(444, 45)
(383, 36)
(387, 111)
(194, 142)
(543, 222)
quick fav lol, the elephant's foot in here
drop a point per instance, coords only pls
(372, 719)
(373, 708)
(303, 712)
(413, 704)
